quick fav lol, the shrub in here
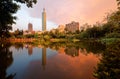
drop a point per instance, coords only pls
(113, 35)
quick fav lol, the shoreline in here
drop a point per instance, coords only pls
(17, 40)
(23, 40)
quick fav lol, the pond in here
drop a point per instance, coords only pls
(55, 61)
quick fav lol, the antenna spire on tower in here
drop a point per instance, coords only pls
(43, 9)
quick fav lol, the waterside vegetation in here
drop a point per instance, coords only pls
(106, 32)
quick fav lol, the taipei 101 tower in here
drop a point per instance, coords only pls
(43, 20)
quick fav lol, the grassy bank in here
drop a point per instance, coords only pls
(109, 40)
(61, 40)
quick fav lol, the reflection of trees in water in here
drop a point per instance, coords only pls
(83, 51)
(29, 46)
(72, 51)
(109, 66)
(92, 46)
(84, 47)
(18, 45)
(6, 60)
(56, 46)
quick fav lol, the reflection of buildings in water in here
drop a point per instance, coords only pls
(30, 49)
(43, 57)
(61, 50)
(72, 51)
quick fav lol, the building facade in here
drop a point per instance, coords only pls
(30, 27)
(44, 20)
(72, 27)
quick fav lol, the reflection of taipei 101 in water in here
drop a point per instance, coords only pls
(43, 57)
(44, 20)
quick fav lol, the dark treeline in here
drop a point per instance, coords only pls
(110, 29)
(6, 60)
(109, 65)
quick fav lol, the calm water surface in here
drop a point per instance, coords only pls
(40, 62)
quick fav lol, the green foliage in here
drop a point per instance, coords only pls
(46, 37)
(94, 32)
(111, 29)
(29, 36)
(108, 41)
(83, 35)
(113, 35)
(7, 9)
(57, 34)
(18, 33)
(107, 28)
(36, 35)
(114, 18)
(109, 66)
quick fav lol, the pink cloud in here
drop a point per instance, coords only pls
(65, 11)
(63, 67)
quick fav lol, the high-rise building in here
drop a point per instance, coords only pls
(44, 20)
(72, 27)
(30, 27)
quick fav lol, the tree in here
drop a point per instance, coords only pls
(114, 18)
(109, 65)
(7, 9)
(18, 33)
(6, 59)
(118, 2)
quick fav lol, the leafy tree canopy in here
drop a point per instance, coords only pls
(7, 9)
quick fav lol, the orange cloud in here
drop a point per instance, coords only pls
(64, 11)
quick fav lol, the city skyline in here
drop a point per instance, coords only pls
(63, 12)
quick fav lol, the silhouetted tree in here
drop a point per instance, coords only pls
(7, 9)
(18, 32)
(118, 2)
(109, 65)
(6, 60)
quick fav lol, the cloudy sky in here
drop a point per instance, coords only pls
(60, 12)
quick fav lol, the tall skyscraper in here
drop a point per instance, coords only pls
(44, 20)
(30, 27)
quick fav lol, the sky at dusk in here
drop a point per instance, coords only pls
(61, 12)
